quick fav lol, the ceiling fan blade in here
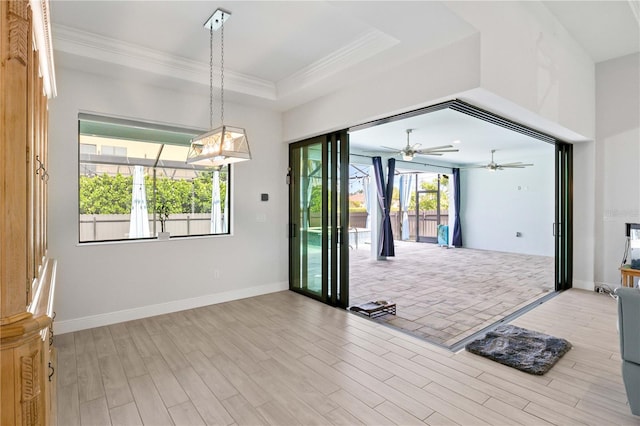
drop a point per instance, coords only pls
(516, 165)
(392, 149)
(437, 148)
(434, 151)
(427, 151)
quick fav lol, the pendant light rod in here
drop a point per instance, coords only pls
(214, 23)
(222, 68)
(211, 77)
(225, 144)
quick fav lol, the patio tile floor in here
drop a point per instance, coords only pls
(444, 295)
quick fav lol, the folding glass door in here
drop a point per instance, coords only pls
(318, 216)
(563, 225)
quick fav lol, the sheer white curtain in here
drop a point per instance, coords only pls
(139, 219)
(406, 182)
(367, 200)
(216, 210)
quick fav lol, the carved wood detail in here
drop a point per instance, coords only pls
(31, 395)
(18, 30)
(26, 394)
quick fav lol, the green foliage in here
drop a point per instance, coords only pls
(395, 199)
(106, 194)
(430, 203)
(315, 204)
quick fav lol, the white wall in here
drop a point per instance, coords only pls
(617, 161)
(107, 283)
(584, 242)
(416, 83)
(529, 58)
(496, 205)
(521, 54)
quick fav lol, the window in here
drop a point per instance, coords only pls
(134, 183)
(88, 149)
(120, 151)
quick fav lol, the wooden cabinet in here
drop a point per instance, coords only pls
(27, 275)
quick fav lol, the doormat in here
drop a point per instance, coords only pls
(526, 350)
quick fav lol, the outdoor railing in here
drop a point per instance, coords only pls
(428, 223)
(108, 227)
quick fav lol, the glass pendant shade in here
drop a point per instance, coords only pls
(224, 145)
(406, 157)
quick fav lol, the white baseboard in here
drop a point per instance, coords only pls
(76, 324)
(583, 285)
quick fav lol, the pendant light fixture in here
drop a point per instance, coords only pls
(225, 144)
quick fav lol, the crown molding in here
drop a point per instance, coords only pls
(89, 45)
(364, 47)
(43, 44)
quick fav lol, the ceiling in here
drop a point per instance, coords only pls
(281, 54)
(473, 137)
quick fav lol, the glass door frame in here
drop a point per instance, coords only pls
(335, 219)
(427, 239)
(563, 225)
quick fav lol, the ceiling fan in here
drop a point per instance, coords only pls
(409, 151)
(493, 166)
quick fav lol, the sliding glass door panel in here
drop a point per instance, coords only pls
(318, 215)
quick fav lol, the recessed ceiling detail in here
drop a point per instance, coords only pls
(100, 48)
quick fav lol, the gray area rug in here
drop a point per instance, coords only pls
(526, 350)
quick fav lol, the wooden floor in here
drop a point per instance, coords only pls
(284, 359)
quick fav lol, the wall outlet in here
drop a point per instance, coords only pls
(216, 274)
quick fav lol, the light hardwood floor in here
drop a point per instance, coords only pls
(284, 359)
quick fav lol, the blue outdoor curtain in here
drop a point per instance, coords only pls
(405, 193)
(457, 228)
(385, 194)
